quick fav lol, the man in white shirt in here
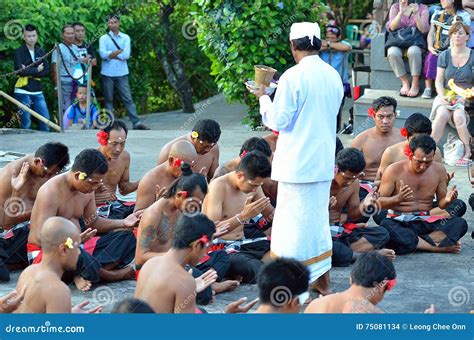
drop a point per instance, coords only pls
(114, 49)
(304, 112)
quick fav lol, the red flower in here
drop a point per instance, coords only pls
(276, 133)
(242, 155)
(371, 112)
(404, 132)
(204, 239)
(102, 137)
(177, 162)
(408, 152)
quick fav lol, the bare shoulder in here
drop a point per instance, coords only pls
(394, 168)
(318, 305)
(125, 156)
(360, 139)
(219, 184)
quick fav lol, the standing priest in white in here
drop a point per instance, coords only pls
(304, 111)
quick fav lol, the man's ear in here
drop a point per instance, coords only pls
(38, 161)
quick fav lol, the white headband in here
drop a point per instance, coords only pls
(305, 29)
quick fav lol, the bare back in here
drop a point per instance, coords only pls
(147, 189)
(341, 303)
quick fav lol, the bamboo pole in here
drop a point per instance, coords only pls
(89, 79)
(59, 88)
(33, 113)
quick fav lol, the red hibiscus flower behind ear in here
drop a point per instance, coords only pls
(371, 112)
(404, 132)
(102, 137)
(408, 152)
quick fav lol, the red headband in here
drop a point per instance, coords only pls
(391, 283)
(102, 137)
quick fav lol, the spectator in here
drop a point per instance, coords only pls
(438, 39)
(28, 88)
(404, 15)
(114, 49)
(67, 68)
(381, 8)
(468, 6)
(76, 113)
(455, 63)
(86, 51)
(336, 53)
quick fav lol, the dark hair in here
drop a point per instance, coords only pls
(418, 123)
(334, 27)
(78, 23)
(53, 154)
(208, 130)
(192, 228)
(67, 26)
(90, 161)
(116, 125)
(424, 142)
(458, 5)
(279, 276)
(255, 164)
(304, 44)
(384, 101)
(258, 144)
(112, 16)
(339, 145)
(188, 181)
(30, 28)
(350, 159)
(131, 305)
(372, 268)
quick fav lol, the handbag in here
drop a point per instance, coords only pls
(405, 37)
(453, 149)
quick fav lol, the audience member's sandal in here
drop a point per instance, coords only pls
(426, 94)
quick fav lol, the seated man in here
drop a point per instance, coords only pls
(282, 286)
(156, 181)
(164, 283)
(45, 292)
(234, 199)
(408, 188)
(374, 141)
(349, 239)
(204, 137)
(112, 140)
(415, 125)
(251, 144)
(20, 181)
(156, 229)
(71, 195)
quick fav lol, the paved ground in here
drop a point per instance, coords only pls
(445, 280)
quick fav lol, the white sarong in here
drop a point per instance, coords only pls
(300, 227)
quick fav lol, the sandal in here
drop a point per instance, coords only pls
(463, 162)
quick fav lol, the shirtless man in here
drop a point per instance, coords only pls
(157, 226)
(349, 239)
(156, 181)
(282, 286)
(71, 195)
(45, 292)
(415, 125)
(234, 199)
(204, 137)
(408, 188)
(272, 140)
(112, 140)
(164, 283)
(374, 141)
(20, 181)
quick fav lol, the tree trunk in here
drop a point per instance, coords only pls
(171, 62)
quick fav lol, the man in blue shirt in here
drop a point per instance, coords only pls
(114, 49)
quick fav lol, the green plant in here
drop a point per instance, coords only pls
(236, 35)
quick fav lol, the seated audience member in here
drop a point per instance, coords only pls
(20, 181)
(438, 39)
(407, 189)
(112, 140)
(349, 239)
(233, 200)
(454, 63)
(405, 15)
(131, 306)
(45, 292)
(76, 113)
(156, 181)
(204, 137)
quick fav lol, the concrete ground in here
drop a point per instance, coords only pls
(446, 280)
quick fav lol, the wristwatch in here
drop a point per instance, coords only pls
(328, 43)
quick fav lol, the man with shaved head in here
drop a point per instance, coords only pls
(45, 292)
(204, 137)
(158, 180)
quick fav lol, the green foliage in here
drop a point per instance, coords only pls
(236, 35)
(139, 19)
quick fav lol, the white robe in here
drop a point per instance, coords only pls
(304, 111)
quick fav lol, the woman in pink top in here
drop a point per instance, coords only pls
(403, 15)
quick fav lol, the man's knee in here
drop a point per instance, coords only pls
(458, 208)
(341, 255)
